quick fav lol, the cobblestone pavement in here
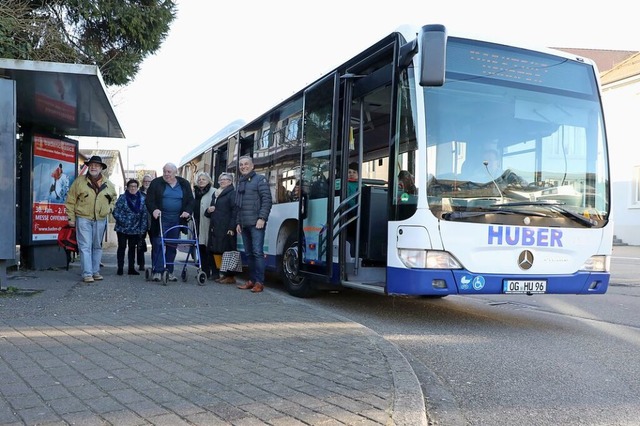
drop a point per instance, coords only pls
(125, 351)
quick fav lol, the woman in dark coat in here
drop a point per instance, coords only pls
(131, 220)
(222, 227)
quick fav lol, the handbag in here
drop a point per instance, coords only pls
(231, 262)
(67, 239)
(142, 243)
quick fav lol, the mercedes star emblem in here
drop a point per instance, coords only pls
(525, 260)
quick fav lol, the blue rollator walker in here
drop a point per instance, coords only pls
(187, 242)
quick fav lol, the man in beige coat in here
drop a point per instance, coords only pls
(91, 199)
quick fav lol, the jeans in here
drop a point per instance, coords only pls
(253, 240)
(160, 262)
(90, 234)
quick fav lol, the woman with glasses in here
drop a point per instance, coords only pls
(131, 221)
(222, 235)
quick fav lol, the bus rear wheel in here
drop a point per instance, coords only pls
(296, 285)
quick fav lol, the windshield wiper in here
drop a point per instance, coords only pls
(484, 212)
(556, 207)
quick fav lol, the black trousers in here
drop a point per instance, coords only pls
(206, 260)
(130, 240)
(142, 249)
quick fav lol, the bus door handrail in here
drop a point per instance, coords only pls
(342, 211)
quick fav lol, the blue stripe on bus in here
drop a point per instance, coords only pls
(418, 282)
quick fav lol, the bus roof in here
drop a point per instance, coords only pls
(223, 133)
(409, 33)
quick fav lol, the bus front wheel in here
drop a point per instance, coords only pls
(296, 284)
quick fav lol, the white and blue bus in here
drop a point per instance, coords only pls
(483, 169)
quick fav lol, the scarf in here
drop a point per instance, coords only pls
(94, 183)
(133, 201)
(217, 193)
(199, 192)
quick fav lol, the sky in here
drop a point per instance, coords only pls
(223, 63)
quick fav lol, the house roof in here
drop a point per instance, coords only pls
(604, 59)
(614, 65)
(626, 69)
(110, 157)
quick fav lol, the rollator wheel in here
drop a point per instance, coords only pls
(147, 274)
(202, 278)
(165, 277)
(183, 275)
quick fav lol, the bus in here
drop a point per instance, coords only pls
(483, 169)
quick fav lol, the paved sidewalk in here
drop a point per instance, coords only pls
(125, 351)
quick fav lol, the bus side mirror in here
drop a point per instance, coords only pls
(432, 41)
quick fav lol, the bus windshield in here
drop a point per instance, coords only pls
(516, 132)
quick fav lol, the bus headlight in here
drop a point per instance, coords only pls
(599, 263)
(428, 259)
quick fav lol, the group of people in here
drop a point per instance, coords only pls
(158, 207)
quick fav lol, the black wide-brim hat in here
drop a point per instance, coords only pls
(96, 159)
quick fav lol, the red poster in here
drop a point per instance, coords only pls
(47, 220)
(54, 170)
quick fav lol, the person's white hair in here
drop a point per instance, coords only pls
(170, 166)
(246, 157)
(205, 174)
(226, 175)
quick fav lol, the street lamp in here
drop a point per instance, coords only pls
(126, 175)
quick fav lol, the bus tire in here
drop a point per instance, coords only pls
(296, 285)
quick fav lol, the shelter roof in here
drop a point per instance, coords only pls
(68, 99)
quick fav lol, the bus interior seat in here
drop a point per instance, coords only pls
(319, 188)
(373, 224)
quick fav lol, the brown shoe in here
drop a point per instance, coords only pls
(246, 286)
(227, 280)
(257, 288)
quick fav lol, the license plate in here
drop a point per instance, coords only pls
(524, 286)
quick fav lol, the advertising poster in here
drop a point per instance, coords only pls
(54, 169)
(56, 98)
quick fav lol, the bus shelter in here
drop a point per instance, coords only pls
(43, 105)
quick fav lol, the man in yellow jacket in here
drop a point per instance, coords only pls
(90, 200)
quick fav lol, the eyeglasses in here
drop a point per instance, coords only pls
(146, 181)
(223, 179)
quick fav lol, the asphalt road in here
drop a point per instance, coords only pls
(526, 360)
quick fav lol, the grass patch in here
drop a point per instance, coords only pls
(12, 291)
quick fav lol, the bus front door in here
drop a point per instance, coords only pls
(319, 134)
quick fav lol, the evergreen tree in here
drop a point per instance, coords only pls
(115, 35)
